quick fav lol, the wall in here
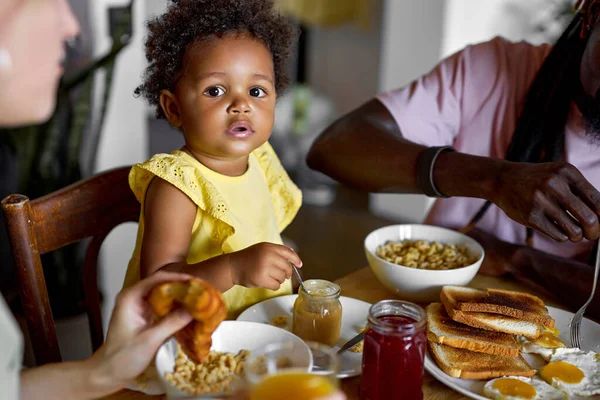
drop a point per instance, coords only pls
(411, 45)
(473, 21)
(343, 62)
(124, 136)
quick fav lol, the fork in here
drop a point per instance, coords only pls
(576, 321)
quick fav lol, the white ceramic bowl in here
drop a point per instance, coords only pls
(420, 285)
(230, 337)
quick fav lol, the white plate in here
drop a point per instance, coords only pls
(230, 337)
(354, 317)
(590, 339)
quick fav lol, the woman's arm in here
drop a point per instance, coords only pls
(569, 280)
(64, 381)
(132, 340)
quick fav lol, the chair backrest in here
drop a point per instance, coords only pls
(90, 208)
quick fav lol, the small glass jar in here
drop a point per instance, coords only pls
(317, 313)
(394, 350)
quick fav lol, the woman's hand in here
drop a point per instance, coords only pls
(264, 265)
(133, 338)
(553, 198)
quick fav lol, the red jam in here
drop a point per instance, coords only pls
(392, 366)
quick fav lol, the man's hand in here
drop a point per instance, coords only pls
(553, 198)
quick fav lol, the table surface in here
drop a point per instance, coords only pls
(363, 285)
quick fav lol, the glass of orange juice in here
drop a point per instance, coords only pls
(285, 370)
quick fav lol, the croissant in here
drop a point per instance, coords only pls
(204, 303)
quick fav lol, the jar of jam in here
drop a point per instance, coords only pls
(317, 313)
(394, 351)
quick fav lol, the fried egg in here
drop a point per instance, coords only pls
(519, 387)
(575, 371)
(545, 345)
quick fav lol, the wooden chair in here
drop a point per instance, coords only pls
(90, 208)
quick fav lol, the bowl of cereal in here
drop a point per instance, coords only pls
(415, 261)
(221, 373)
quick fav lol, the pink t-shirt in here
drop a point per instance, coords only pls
(472, 101)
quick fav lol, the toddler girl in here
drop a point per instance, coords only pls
(215, 208)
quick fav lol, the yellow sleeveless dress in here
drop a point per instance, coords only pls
(233, 212)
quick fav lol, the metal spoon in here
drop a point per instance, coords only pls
(299, 278)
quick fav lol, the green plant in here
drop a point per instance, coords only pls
(48, 158)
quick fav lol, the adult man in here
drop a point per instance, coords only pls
(523, 120)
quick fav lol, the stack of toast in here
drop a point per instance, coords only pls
(472, 332)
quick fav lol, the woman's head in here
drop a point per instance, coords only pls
(215, 70)
(32, 43)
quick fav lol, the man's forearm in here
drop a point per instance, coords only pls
(365, 152)
(64, 381)
(569, 280)
(365, 149)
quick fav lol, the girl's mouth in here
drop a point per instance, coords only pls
(240, 129)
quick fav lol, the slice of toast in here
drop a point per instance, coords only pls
(465, 364)
(484, 320)
(496, 323)
(518, 305)
(444, 330)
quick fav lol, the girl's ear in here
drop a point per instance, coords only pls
(170, 106)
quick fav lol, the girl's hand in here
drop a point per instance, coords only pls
(133, 338)
(264, 265)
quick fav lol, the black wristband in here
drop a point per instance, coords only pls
(425, 165)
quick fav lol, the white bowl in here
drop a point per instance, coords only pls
(420, 285)
(230, 337)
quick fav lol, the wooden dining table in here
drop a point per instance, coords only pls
(363, 285)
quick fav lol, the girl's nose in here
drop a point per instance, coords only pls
(239, 106)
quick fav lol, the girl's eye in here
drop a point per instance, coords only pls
(257, 92)
(214, 91)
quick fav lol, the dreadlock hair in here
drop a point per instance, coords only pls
(540, 132)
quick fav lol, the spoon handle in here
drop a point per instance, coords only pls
(351, 343)
(299, 277)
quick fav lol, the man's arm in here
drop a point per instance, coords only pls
(570, 280)
(365, 149)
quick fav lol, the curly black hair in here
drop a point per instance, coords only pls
(188, 22)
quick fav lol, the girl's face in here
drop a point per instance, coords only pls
(225, 101)
(32, 43)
